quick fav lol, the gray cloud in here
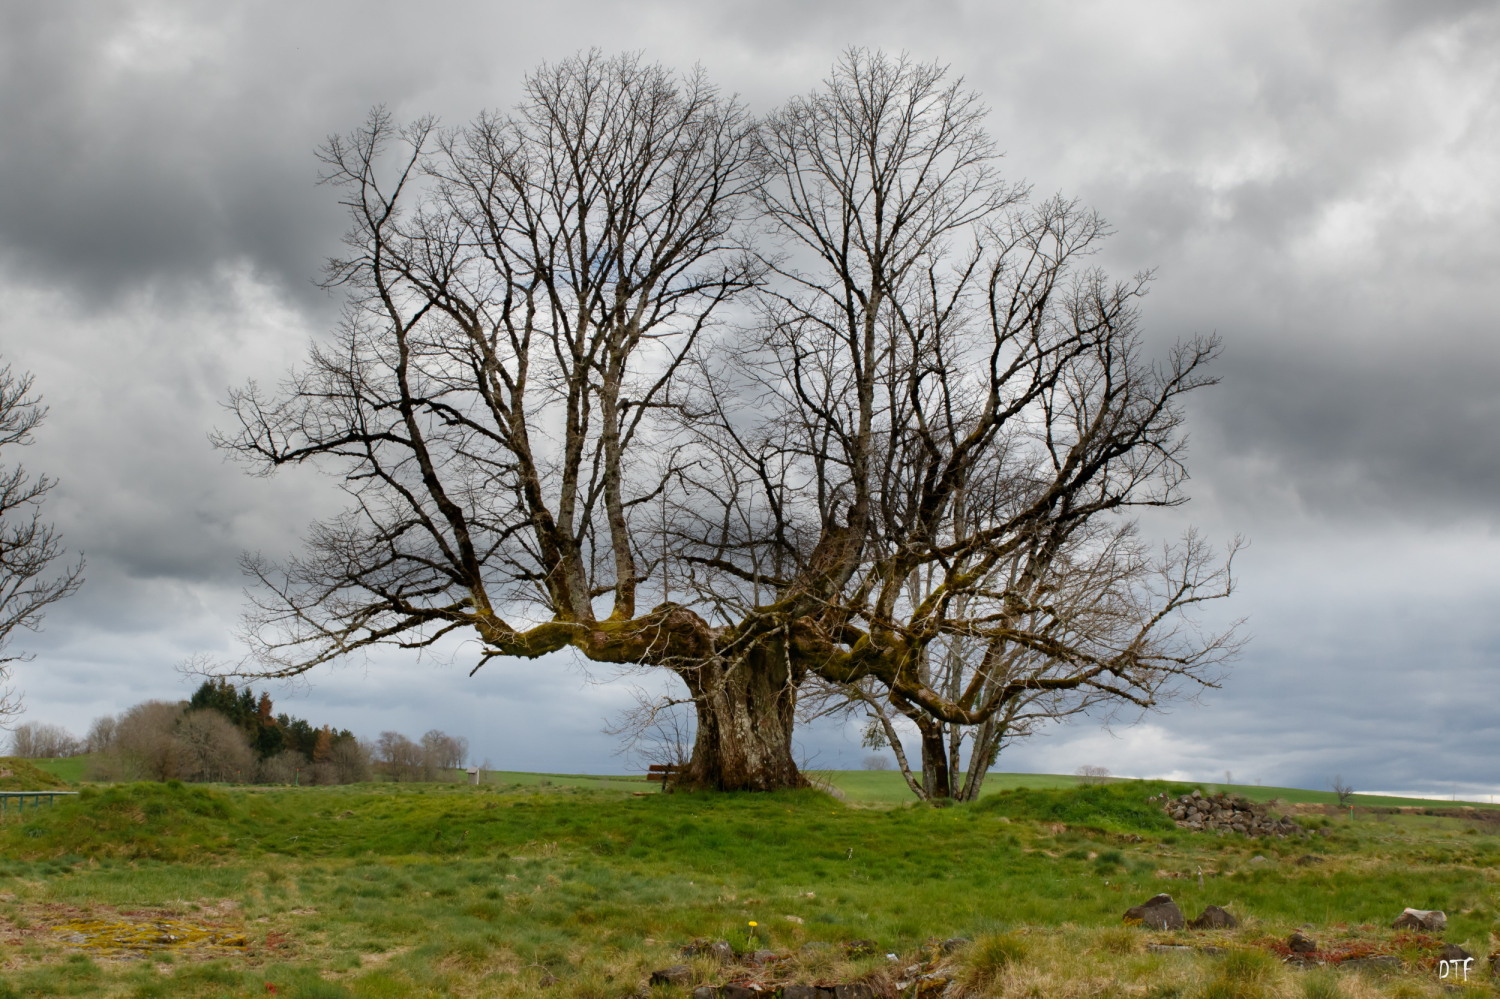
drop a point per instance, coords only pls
(1314, 182)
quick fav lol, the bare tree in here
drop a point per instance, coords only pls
(37, 740)
(101, 734)
(441, 751)
(30, 548)
(210, 747)
(285, 767)
(959, 414)
(144, 745)
(543, 423)
(1089, 774)
(348, 762)
(657, 731)
(523, 292)
(1344, 792)
(399, 757)
(1087, 597)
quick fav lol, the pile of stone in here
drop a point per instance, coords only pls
(1161, 913)
(1227, 813)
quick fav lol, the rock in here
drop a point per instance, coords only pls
(717, 949)
(761, 958)
(1258, 859)
(1428, 920)
(1158, 913)
(1453, 952)
(1226, 813)
(736, 991)
(932, 985)
(1214, 918)
(677, 974)
(857, 990)
(706, 992)
(803, 992)
(954, 944)
(1300, 943)
(1308, 859)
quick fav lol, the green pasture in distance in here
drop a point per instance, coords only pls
(602, 782)
(68, 768)
(869, 787)
(886, 787)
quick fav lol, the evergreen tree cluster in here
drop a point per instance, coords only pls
(268, 734)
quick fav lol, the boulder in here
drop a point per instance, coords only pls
(1426, 920)
(1453, 952)
(1158, 913)
(857, 990)
(803, 992)
(719, 950)
(1214, 918)
(677, 974)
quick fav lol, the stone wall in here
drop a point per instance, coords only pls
(1226, 813)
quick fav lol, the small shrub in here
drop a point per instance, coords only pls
(1243, 974)
(1321, 985)
(1119, 940)
(991, 955)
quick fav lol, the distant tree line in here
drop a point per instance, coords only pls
(38, 740)
(435, 757)
(224, 733)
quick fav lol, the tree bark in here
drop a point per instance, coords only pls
(936, 775)
(745, 712)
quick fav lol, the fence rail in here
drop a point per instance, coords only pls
(14, 802)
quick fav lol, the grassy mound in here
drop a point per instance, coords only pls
(170, 822)
(1113, 807)
(17, 774)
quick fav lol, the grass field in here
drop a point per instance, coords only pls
(865, 787)
(555, 885)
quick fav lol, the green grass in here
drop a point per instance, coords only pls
(25, 775)
(868, 787)
(69, 769)
(446, 889)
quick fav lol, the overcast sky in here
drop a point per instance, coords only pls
(1316, 182)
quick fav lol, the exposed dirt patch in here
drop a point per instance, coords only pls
(104, 933)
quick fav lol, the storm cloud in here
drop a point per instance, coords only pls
(1313, 183)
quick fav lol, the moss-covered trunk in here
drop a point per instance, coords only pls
(746, 712)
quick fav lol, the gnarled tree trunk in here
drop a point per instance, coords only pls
(745, 714)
